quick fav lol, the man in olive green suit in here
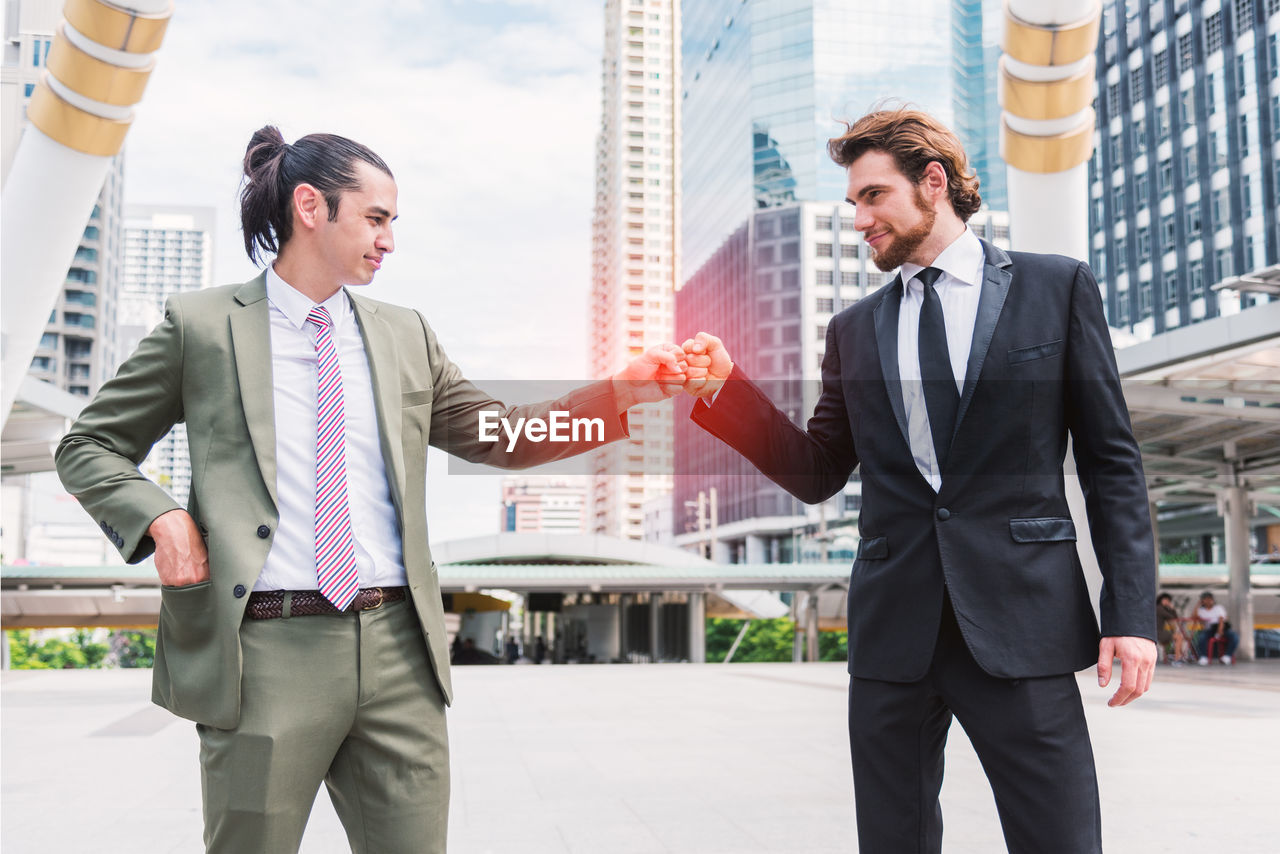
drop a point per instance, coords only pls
(291, 682)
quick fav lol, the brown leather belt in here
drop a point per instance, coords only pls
(270, 604)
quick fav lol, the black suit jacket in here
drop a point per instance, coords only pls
(999, 535)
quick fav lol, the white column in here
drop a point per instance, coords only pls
(1237, 513)
(698, 628)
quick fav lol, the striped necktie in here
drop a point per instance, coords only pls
(335, 549)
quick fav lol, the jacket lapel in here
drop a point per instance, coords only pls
(384, 367)
(886, 320)
(996, 276)
(251, 343)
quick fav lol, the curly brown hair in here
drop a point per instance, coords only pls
(914, 139)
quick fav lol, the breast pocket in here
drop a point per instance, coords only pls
(1034, 352)
(416, 398)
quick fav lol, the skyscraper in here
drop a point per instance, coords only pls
(764, 86)
(543, 504)
(635, 244)
(975, 33)
(168, 250)
(1185, 176)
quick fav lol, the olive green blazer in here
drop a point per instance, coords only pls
(209, 364)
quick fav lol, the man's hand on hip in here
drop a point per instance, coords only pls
(181, 557)
(1137, 665)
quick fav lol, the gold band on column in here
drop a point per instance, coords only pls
(72, 126)
(1047, 154)
(117, 28)
(97, 80)
(1050, 46)
(1048, 99)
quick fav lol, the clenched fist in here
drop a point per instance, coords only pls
(708, 362)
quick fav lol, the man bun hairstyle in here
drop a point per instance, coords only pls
(273, 168)
(914, 139)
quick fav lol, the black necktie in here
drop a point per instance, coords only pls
(940, 395)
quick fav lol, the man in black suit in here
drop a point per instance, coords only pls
(955, 393)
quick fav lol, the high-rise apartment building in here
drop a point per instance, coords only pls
(635, 234)
(769, 292)
(976, 29)
(764, 85)
(1185, 176)
(168, 250)
(544, 504)
(78, 349)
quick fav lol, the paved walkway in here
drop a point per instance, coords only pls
(687, 759)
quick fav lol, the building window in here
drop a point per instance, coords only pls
(824, 250)
(1170, 290)
(823, 277)
(1244, 135)
(1195, 278)
(1117, 150)
(1218, 148)
(27, 89)
(1187, 101)
(790, 223)
(1122, 255)
(1221, 208)
(1213, 32)
(849, 250)
(1165, 177)
(1244, 74)
(822, 223)
(1117, 201)
(1144, 244)
(1139, 136)
(1190, 164)
(826, 305)
(1144, 299)
(764, 255)
(1186, 52)
(846, 224)
(791, 307)
(1223, 267)
(1137, 88)
(1140, 189)
(1244, 15)
(1162, 122)
(49, 341)
(1168, 232)
(1193, 220)
(1113, 99)
(1161, 68)
(849, 279)
(791, 251)
(790, 279)
(791, 334)
(764, 281)
(1214, 93)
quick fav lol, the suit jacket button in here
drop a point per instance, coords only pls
(263, 532)
(239, 591)
(943, 514)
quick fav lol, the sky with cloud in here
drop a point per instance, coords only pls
(487, 113)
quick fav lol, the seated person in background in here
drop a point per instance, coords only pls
(1167, 631)
(1214, 619)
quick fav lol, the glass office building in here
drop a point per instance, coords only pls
(1185, 177)
(976, 27)
(765, 85)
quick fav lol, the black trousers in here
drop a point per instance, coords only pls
(1029, 734)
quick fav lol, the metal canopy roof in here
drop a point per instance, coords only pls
(1205, 405)
(37, 421)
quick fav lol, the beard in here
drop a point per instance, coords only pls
(901, 247)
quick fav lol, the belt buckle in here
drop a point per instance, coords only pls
(381, 600)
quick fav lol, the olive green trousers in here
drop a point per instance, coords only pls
(347, 699)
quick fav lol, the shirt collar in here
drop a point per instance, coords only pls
(296, 306)
(962, 261)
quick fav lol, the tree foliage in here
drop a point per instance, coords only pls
(80, 650)
(767, 640)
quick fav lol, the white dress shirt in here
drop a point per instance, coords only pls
(959, 288)
(291, 562)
